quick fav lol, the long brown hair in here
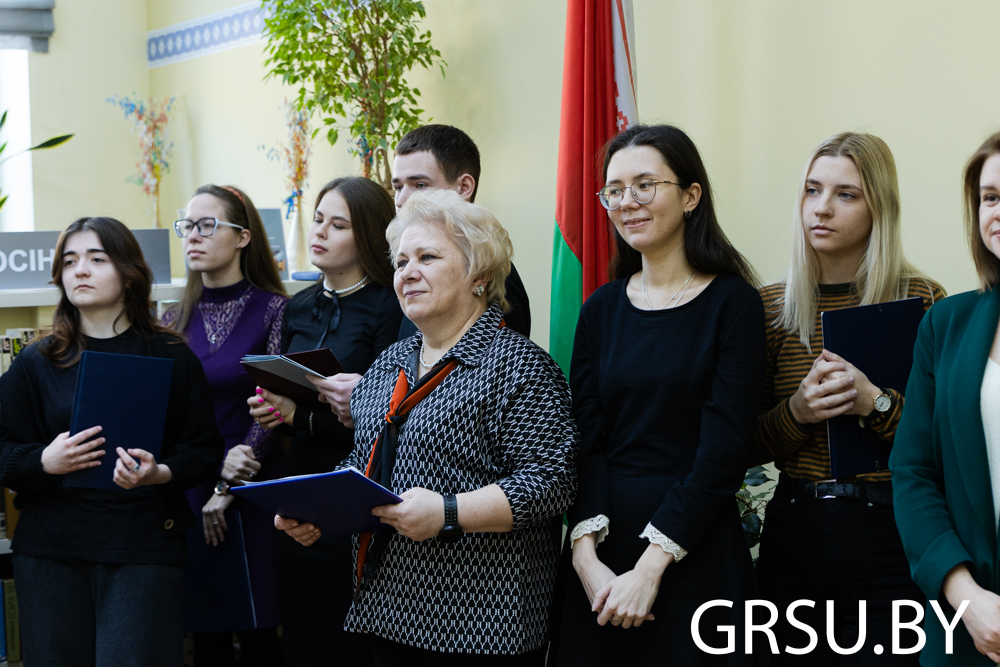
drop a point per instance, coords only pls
(372, 209)
(256, 260)
(64, 345)
(705, 244)
(987, 264)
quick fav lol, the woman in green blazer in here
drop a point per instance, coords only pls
(946, 459)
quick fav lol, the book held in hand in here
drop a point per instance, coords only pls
(339, 502)
(127, 396)
(286, 374)
(878, 340)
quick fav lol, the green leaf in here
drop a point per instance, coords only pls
(3, 200)
(52, 143)
(3, 119)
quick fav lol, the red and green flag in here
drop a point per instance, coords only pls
(598, 101)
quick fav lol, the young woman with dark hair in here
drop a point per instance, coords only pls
(664, 359)
(99, 573)
(232, 306)
(353, 311)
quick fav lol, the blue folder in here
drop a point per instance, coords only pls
(217, 592)
(878, 339)
(127, 395)
(339, 502)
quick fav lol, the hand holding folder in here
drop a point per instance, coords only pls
(339, 502)
(127, 396)
(878, 339)
(287, 375)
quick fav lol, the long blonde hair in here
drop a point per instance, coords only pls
(884, 273)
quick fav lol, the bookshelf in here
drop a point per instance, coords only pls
(49, 296)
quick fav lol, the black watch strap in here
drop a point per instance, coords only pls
(450, 510)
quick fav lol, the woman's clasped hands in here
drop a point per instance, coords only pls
(624, 600)
(832, 387)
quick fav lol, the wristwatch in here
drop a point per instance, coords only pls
(222, 488)
(882, 402)
(451, 532)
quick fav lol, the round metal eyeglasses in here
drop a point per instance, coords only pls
(611, 196)
(206, 227)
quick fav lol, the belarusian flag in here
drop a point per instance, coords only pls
(598, 101)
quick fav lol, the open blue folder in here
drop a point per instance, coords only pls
(339, 502)
(878, 339)
(217, 592)
(127, 395)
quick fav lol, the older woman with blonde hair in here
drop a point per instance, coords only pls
(470, 423)
(946, 460)
(834, 539)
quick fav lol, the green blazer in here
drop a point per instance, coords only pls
(940, 474)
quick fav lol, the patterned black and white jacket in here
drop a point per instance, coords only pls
(502, 417)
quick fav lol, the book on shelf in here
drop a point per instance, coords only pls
(12, 622)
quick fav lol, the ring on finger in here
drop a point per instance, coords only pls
(251, 474)
(136, 467)
(215, 523)
(615, 620)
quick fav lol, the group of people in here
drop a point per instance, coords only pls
(685, 372)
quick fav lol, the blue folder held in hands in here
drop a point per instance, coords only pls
(126, 395)
(217, 592)
(339, 502)
(878, 339)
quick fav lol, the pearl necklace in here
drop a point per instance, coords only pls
(339, 292)
(667, 304)
(422, 362)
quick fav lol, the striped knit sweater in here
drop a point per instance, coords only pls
(801, 450)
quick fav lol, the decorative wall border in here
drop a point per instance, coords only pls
(221, 31)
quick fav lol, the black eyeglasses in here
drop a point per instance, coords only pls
(206, 227)
(643, 191)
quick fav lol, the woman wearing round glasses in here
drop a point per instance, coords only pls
(664, 359)
(232, 306)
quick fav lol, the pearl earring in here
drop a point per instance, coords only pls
(479, 291)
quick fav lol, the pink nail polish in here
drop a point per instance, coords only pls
(277, 414)
(260, 400)
(259, 390)
(281, 419)
(270, 409)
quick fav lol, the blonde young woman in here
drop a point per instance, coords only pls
(945, 461)
(834, 539)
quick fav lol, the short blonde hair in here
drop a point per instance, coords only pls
(483, 241)
(987, 264)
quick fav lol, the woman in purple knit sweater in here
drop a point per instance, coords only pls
(233, 306)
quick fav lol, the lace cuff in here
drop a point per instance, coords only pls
(664, 542)
(599, 524)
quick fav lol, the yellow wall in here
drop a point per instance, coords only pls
(757, 85)
(98, 50)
